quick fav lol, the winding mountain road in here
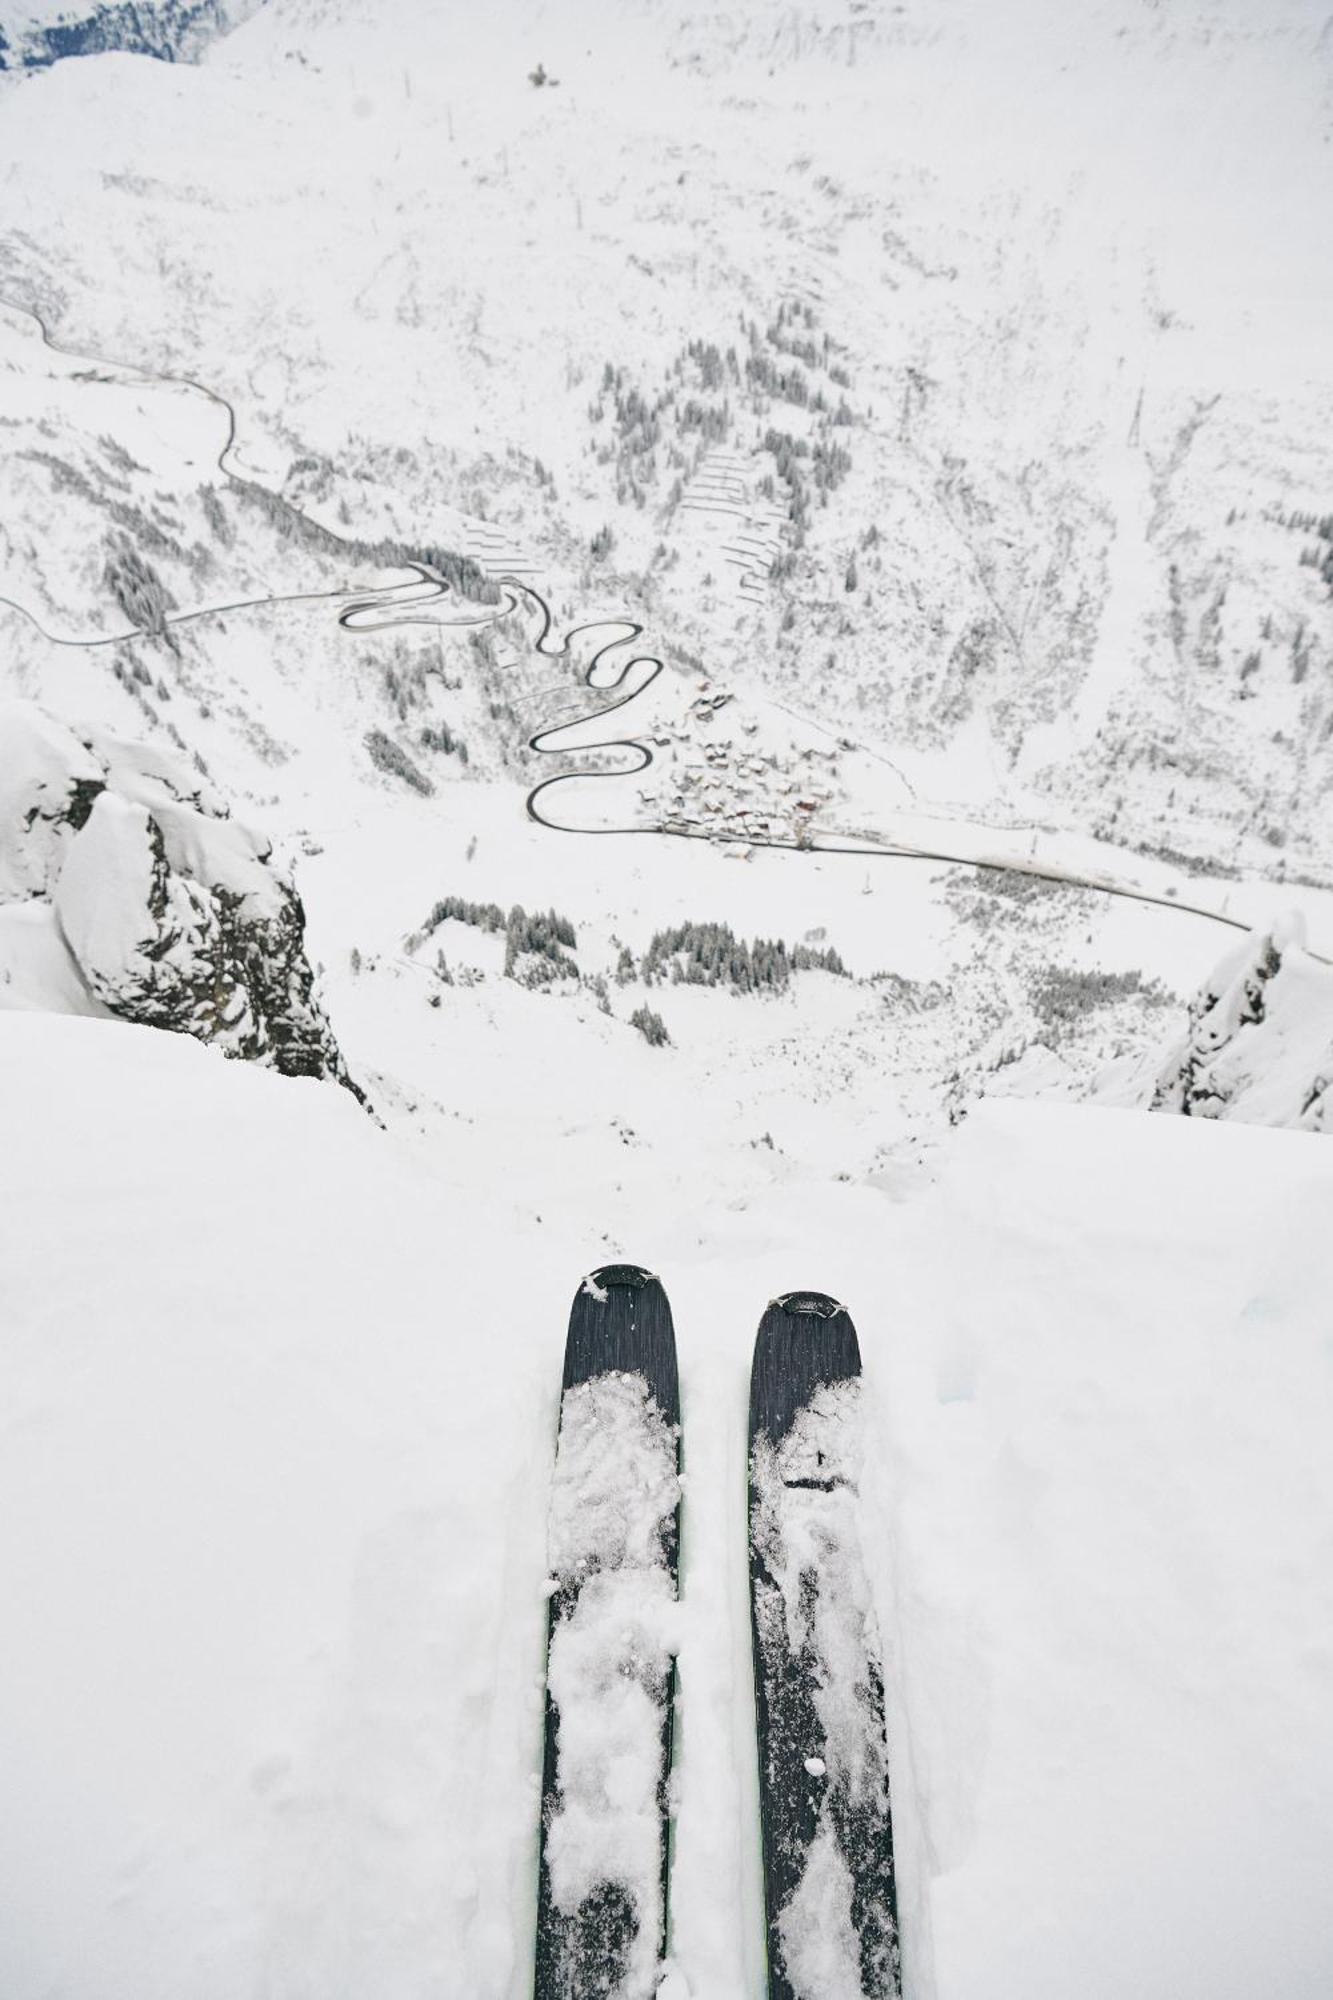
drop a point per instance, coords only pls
(640, 754)
(358, 614)
(368, 609)
(640, 757)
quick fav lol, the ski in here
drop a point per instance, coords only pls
(830, 1902)
(613, 1544)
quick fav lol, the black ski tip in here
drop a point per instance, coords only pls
(806, 1305)
(620, 1323)
(633, 1277)
(805, 1339)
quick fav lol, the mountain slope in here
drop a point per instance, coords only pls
(1085, 480)
(276, 1445)
(877, 464)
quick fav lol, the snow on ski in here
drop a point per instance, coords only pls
(612, 1551)
(819, 1681)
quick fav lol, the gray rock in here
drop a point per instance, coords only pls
(172, 912)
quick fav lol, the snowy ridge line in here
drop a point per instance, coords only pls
(439, 586)
(867, 851)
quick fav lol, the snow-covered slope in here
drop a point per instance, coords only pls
(278, 1428)
(1064, 489)
(877, 462)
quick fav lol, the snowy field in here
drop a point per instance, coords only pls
(277, 1443)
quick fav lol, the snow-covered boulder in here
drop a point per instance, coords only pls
(1258, 1044)
(128, 889)
(48, 782)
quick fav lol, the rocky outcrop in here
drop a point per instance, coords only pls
(127, 888)
(1258, 1043)
(170, 30)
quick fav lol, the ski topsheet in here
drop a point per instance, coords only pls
(829, 1895)
(612, 1551)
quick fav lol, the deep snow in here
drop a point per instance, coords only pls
(278, 1432)
(613, 1498)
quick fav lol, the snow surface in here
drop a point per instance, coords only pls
(614, 1491)
(615, 1485)
(278, 1401)
(820, 1947)
(804, 1526)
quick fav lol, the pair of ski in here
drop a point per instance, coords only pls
(819, 1685)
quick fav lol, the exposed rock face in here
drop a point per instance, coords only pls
(170, 30)
(1259, 1041)
(128, 889)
